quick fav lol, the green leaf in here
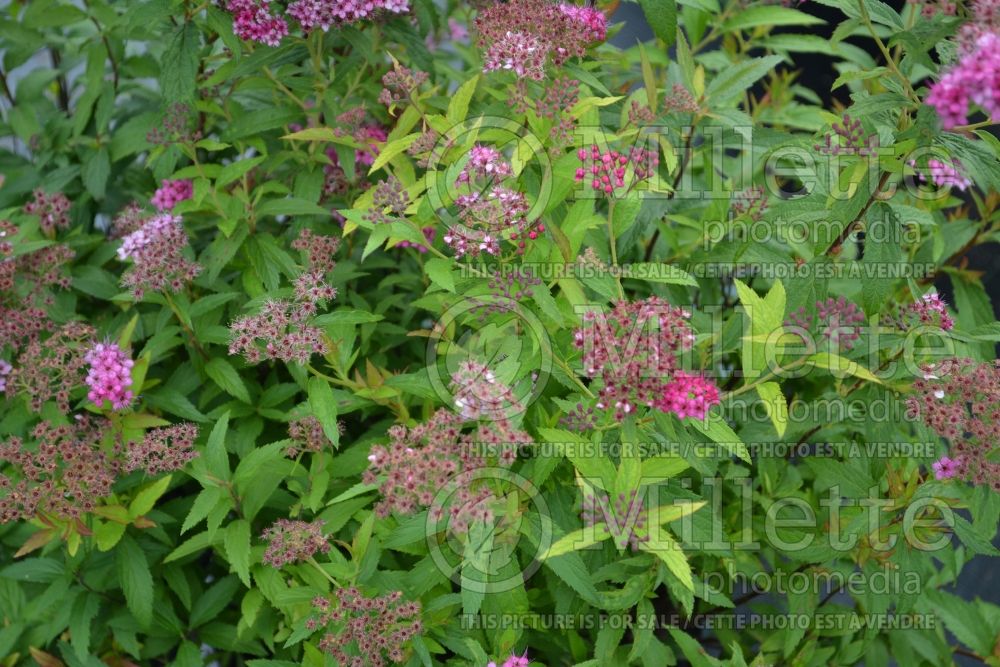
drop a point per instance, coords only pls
(662, 18)
(95, 173)
(666, 548)
(716, 429)
(458, 107)
(237, 547)
(224, 375)
(768, 15)
(346, 316)
(766, 317)
(135, 579)
(733, 81)
(146, 499)
(324, 408)
(661, 273)
(213, 601)
(203, 504)
(216, 457)
(841, 367)
(107, 534)
(391, 150)
(179, 68)
(236, 170)
(576, 540)
(775, 404)
(439, 271)
(291, 206)
(663, 466)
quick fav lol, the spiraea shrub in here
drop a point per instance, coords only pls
(521, 333)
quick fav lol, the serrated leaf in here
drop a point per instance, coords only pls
(439, 271)
(237, 546)
(135, 579)
(224, 375)
(146, 499)
(324, 408)
(662, 18)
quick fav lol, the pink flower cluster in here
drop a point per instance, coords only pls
(523, 36)
(959, 399)
(435, 456)
(307, 435)
(479, 395)
(324, 14)
(24, 281)
(293, 541)
(5, 369)
(253, 20)
(517, 52)
(945, 468)
(52, 210)
(688, 395)
(170, 193)
(591, 17)
(974, 78)
(943, 175)
(364, 631)
(163, 449)
(282, 329)
(401, 83)
(929, 310)
(839, 321)
(607, 170)
(156, 249)
(52, 368)
(109, 376)
(485, 162)
(489, 212)
(513, 661)
(62, 474)
(633, 349)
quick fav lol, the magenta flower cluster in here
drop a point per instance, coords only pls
(254, 20)
(170, 193)
(513, 661)
(943, 175)
(109, 376)
(975, 78)
(633, 350)
(607, 170)
(688, 395)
